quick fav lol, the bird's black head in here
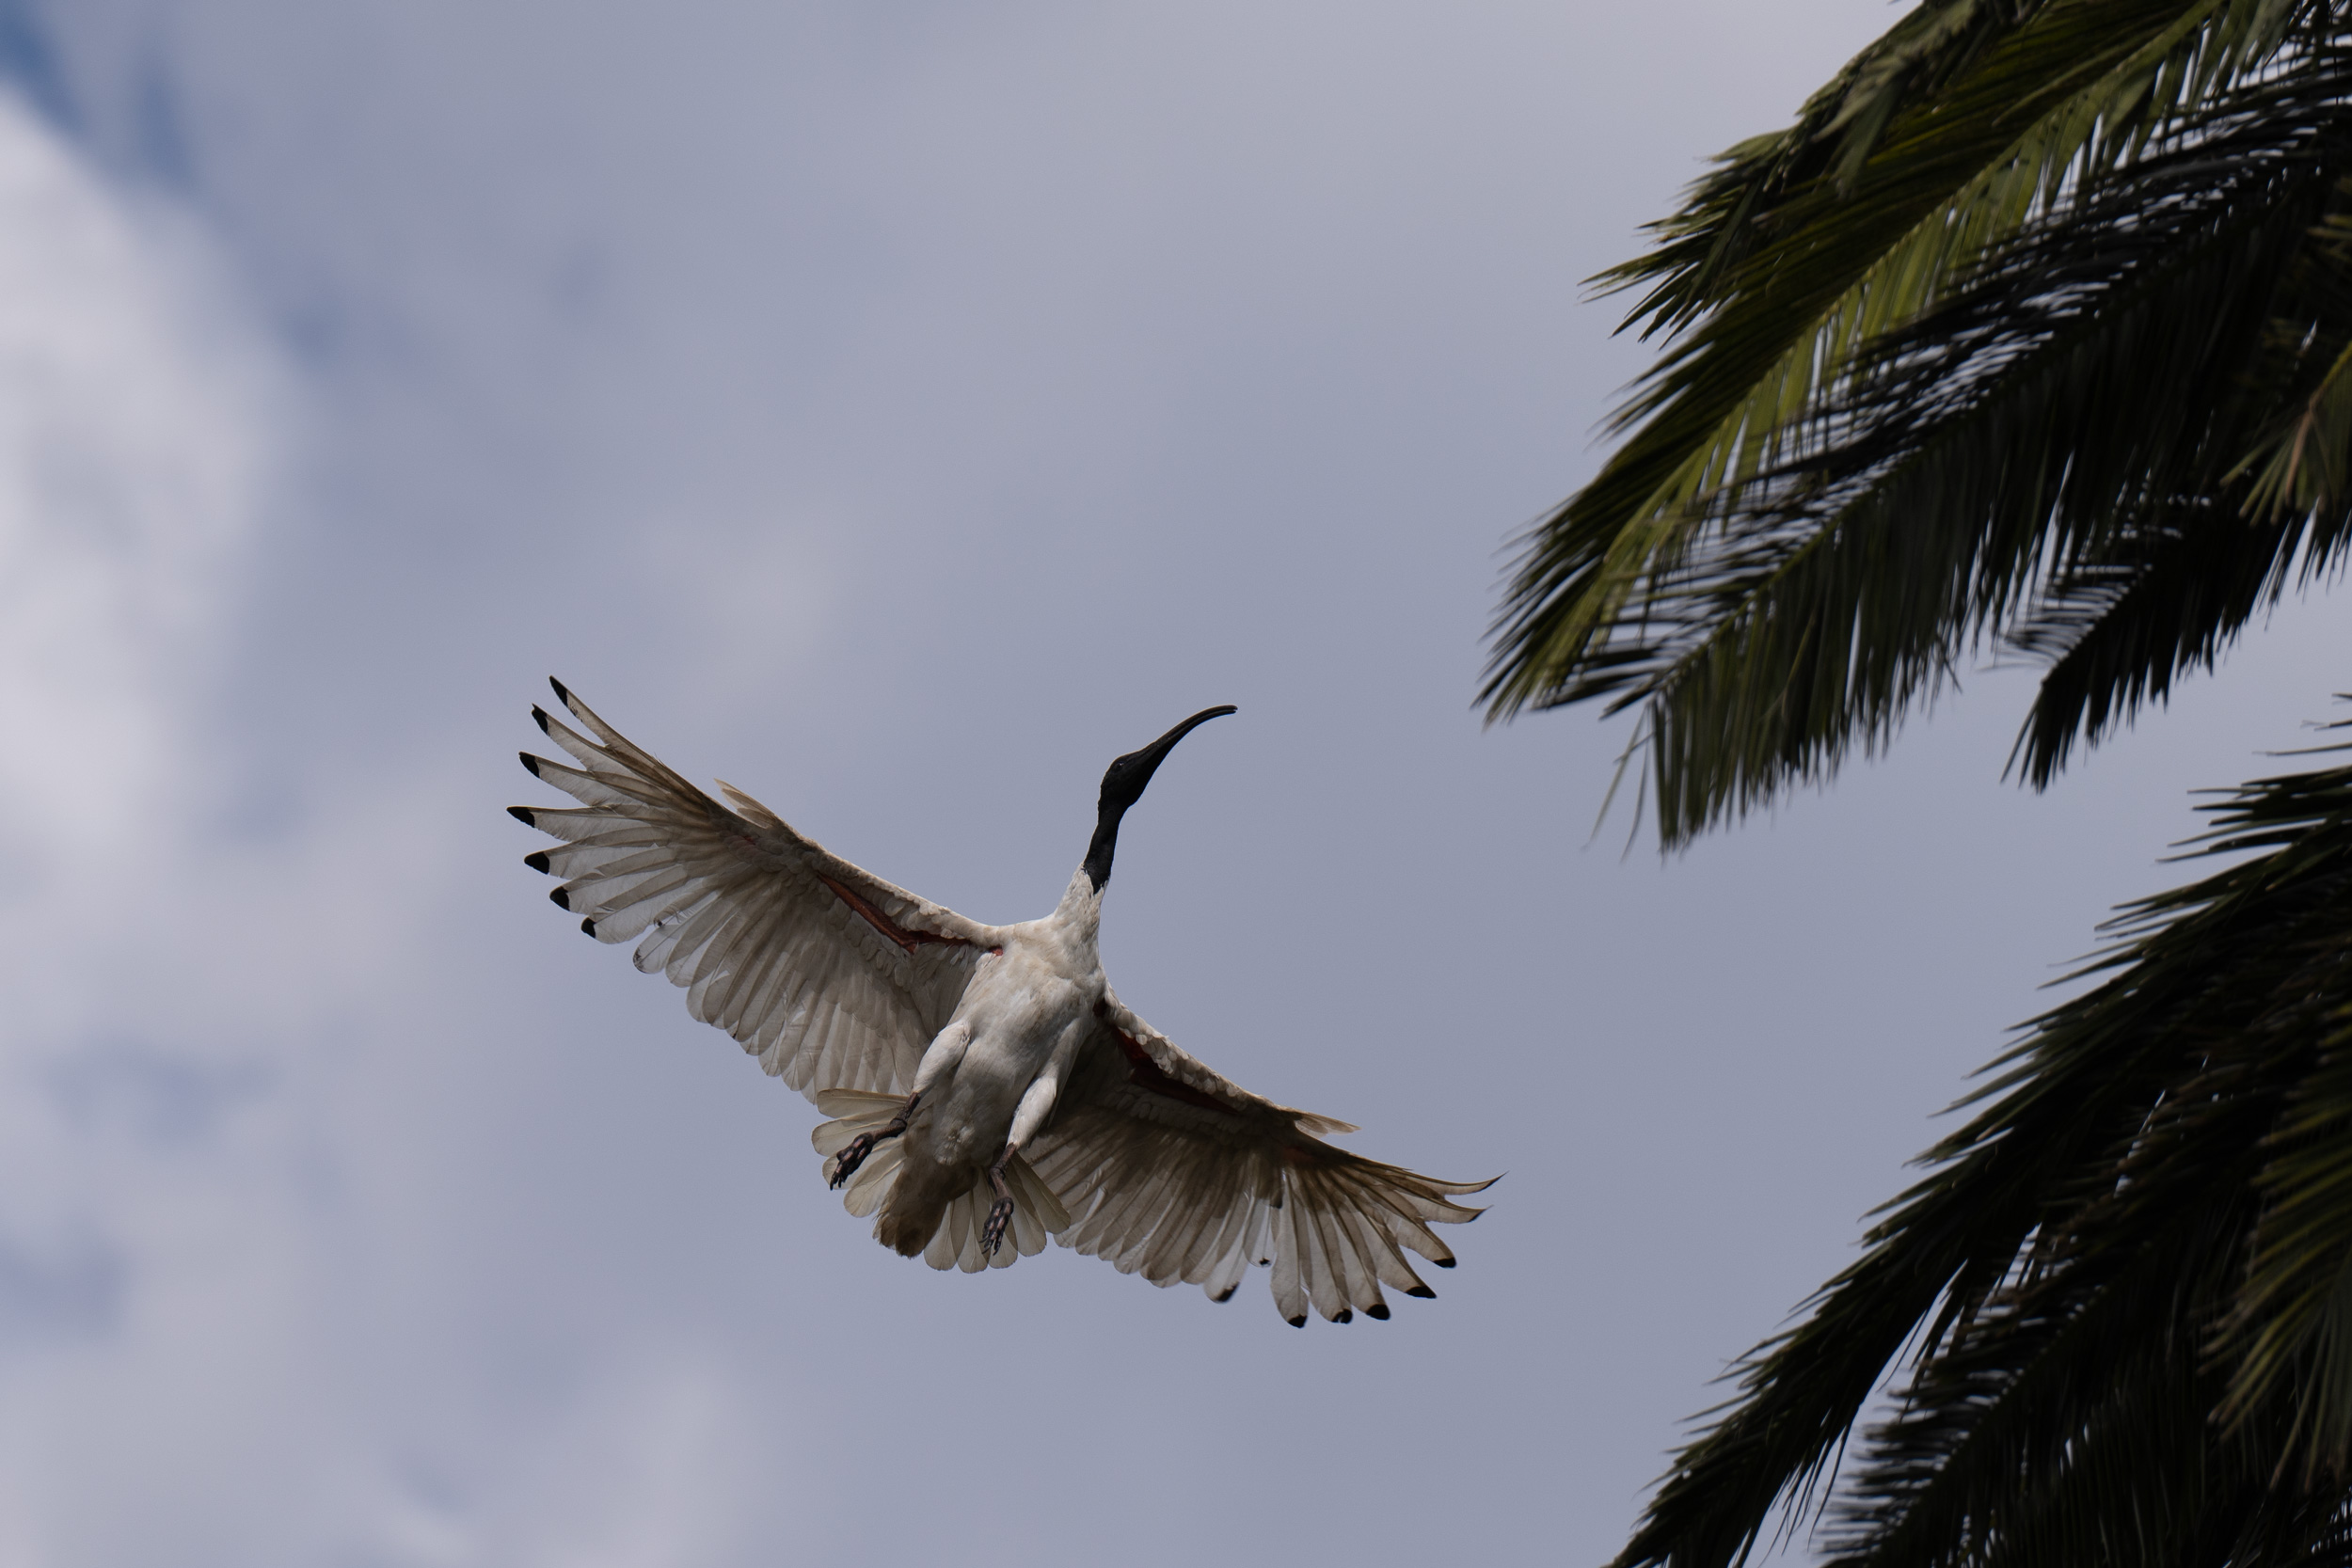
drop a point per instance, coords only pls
(1122, 786)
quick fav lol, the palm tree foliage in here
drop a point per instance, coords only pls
(2127, 1281)
(2034, 331)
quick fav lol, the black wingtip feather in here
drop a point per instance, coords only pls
(1299, 1321)
(1377, 1311)
(537, 860)
(589, 926)
(559, 898)
(1346, 1315)
(1226, 1294)
(521, 814)
(560, 695)
(1445, 1262)
(531, 762)
(539, 716)
(1423, 1292)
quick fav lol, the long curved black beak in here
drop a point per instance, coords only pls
(1122, 786)
(1152, 755)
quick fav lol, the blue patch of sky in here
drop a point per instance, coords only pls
(161, 1098)
(318, 331)
(73, 1290)
(29, 63)
(140, 131)
(159, 131)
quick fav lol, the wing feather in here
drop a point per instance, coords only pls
(833, 977)
(1290, 1290)
(1224, 1278)
(1171, 1170)
(768, 970)
(1327, 1264)
(1178, 1244)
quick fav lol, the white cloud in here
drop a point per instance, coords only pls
(135, 456)
(156, 1267)
(132, 454)
(226, 1324)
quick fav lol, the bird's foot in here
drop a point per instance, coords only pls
(993, 1233)
(853, 1155)
(854, 1152)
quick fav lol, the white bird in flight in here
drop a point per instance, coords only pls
(986, 1083)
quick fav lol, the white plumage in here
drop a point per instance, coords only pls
(975, 1073)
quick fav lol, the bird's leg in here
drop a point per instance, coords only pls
(1000, 1212)
(1028, 1119)
(853, 1153)
(939, 1059)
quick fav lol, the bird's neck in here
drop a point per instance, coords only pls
(1082, 904)
(1080, 912)
(1096, 867)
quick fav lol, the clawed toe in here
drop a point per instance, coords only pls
(853, 1155)
(993, 1233)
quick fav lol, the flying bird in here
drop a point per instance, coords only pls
(987, 1087)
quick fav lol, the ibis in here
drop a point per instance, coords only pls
(987, 1090)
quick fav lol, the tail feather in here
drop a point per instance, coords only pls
(955, 1230)
(857, 1112)
(873, 1182)
(1028, 1236)
(1032, 1196)
(913, 1219)
(936, 1214)
(943, 1226)
(966, 1221)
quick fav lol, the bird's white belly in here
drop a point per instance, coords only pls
(1016, 1012)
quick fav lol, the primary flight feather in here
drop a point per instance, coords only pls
(989, 1089)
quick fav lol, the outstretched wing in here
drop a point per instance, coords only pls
(1174, 1172)
(833, 977)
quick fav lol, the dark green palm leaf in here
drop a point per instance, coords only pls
(2015, 251)
(2124, 1282)
(2063, 411)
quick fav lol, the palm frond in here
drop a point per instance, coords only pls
(1782, 555)
(2064, 410)
(2124, 1280)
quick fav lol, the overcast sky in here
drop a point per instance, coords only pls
(899, 411)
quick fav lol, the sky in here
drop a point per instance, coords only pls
(899, 412)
